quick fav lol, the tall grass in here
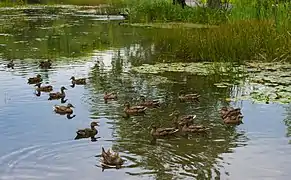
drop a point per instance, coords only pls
(237, 41)
(163, 10)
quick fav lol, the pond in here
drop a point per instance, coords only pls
(39, 144)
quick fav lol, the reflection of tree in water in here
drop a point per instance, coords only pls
(196, 156)
(287, 122)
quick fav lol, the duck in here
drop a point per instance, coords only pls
(194, 128)
(110, 96)
(225, 112)
(149, 103)
(188, 97)
(111, 158)
(43, 88)
(233, 120)
(183, 119)
(87, 132)
(34, 80)
(125, 15)
(78, 81)
(45, 64)
(134, 109)
(155, 131)
(64, 109)
(58, 95)
(231, 115)
(10, 64)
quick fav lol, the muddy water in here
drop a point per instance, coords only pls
(36, 143)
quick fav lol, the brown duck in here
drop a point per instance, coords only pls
(64, 109)
(134, 109)
(234, 120)
(188, 97)
(180, 122)
(87, 132)
(110, 96)
(194, 128)
(149, 103)
(162, 131)
(231, 115)
(34, 80)
(43, 88)
(111, 159)
(45, 64)
(58, 95)
(79, 81)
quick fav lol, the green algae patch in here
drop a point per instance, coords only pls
(171, 25)
(259, 82)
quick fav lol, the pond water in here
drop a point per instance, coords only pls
(39, 144)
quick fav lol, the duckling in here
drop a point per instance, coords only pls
(194, 128)
(78, 81)
(188, 97)
(183, 119)
(43, 88)
(234, 120)
(110, 159)
(149, 103)
(87, 132)
(64, 109)
(58, 95)
(227, 112)
(110, 96)
(34, 80)
(134, 109)
(45, 64)
(162, 131)
(10, 64)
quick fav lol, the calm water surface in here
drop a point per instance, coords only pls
(36, 143)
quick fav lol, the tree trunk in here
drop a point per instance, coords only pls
(214, 3)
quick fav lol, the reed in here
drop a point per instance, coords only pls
(238, 41)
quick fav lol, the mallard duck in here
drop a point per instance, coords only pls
(227, 112)
(111, 159)
(110, 96)
(134, 109)
(34, 80)
(87, 132)
(64, 109)
(231, 115)
(188, 97)
(45, 64)
(183, 119)
(149, 103)
(194, 128)
(162, 131)
(78, 81)
(43, 88)
(58, 95)
(235, 120)
(10, 64)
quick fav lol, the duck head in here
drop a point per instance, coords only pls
(70, 105)
(63, 88)
(93, 124)
(72, 78)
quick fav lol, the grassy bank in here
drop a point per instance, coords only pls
(237, 41)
